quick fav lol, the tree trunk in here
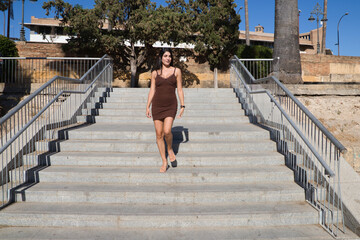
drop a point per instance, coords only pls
(323, 40)
(9, 14)
(247, 23)
(133, 67)
(287, 65)
(4, 23)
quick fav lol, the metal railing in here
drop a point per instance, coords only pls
(26, 70)
(310, 150)
(26, 130)
(259, 68)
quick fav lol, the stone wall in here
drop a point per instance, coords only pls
(194, 74)
(28, 49)
(337, 106)
(330, 68)
(315, 68)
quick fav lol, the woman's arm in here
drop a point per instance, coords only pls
(151, 94)
(180, 90)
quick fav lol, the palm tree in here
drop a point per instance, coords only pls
(287, 65)
(3, 7)
(323, 40)
(247, 23)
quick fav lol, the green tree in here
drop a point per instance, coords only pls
(3, 5)
(216, 27)
(117, 27)
(287, 65)
(253, 51)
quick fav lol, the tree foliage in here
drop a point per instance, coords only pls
(216, 26)
(3, 5)
(8, 47)
(118, 27)
(253, 51)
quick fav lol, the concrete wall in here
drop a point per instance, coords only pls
(329, 68)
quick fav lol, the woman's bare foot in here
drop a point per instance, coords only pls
(172, 156)
(164, 168)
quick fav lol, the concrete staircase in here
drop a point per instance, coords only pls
(104, 183)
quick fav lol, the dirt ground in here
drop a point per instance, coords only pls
(340, 115)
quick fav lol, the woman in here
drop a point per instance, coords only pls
(162, 98)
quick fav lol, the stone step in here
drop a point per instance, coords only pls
(186, 90)
(187, 95)
(138, 146)
(194, 159)
(183, 120)
(160, 194)
(238, 132)
(143, 100)
(159, 216)
(188, 112)
(137, 175)
(196, 106)
(301, 232)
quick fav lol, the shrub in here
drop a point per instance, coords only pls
(258, 69)
(254, 51)
(8, 47)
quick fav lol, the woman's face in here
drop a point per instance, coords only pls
(166, 59)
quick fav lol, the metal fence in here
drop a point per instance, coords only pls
(26, 70)
(310, 150)
(259, 68)
(25, 131)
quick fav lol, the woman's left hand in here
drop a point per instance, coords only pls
(181, 112)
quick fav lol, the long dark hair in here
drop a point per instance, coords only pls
(158, 64)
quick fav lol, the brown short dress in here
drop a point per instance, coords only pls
(164, 103)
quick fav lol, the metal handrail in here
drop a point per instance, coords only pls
(25, 70)
(23, 129)
(52, 107)
(310, 150)
(31, 96)
(307, 112)
(49, 58)
(300, 105)
(298, 131)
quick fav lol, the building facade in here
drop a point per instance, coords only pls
(49, 30)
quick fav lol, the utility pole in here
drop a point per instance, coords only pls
(323, 40)
(247, 24)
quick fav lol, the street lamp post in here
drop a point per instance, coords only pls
(317, 12)
(338, 39)
(22, 30)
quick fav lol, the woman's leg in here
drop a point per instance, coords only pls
(168, 123)
(159, 129)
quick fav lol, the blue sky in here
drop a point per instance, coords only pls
(260, 12)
